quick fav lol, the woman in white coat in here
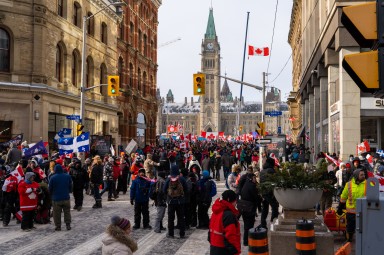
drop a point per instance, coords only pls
(118, 240)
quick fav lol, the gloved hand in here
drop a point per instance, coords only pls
(340, 208)
(29, 190)
(132, 202)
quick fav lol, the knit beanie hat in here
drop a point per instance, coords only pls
(205, 173)
(29, 175)
(122, 223)
(229, 196)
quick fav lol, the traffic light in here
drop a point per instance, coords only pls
(79, 129)
(261, 128)
(365, 23)
(240, 128)
(113, 85)
(198, 84)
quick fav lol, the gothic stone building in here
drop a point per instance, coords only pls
(215, 111)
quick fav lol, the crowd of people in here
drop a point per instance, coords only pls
(180, 182)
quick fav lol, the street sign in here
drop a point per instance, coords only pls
(274, 113)
(73, 117)
(263, 141)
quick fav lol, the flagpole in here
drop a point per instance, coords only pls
(242, 79)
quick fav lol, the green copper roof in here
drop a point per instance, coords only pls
(169, 93)
(211, 31)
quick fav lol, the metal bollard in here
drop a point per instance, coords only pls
(305, 237)
(257, 241)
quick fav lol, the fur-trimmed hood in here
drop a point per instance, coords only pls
(117, 239)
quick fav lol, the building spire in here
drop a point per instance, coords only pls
(211, 31)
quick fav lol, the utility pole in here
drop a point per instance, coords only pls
(261, 148)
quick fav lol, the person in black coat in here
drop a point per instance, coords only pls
(79, 178)
(268, 197)
(96, 179)
(249, 193)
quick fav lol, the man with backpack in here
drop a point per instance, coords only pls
(206, 190)
(175, 187)
(140, 199)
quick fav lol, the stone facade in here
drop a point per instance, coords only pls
(42, 82)
(137, 50)
(335, 115)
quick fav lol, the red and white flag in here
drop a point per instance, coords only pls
(272, 155)
(255, 51)
(330, 159)
(18, 173)
(369, 159)
(363, 147)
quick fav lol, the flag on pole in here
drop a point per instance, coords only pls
(256, 51)
(16, 140)
(63, 133)
(36, 149)
(330, 159)
(363, 147)
(82, 143)
(65, 145)
(18, 173)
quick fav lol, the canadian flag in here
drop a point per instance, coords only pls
(369, 159)
(363, 147)
(203, 134)
(255, 51)
(172, 128)
(330, 159)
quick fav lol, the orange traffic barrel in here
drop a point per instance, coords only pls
(305, 238)
(257, 241)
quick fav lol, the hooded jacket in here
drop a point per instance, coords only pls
(60, 185)
(117, 242)
(140, 190)
(224, 229)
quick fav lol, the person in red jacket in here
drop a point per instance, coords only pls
(28, 191)
(224, 228)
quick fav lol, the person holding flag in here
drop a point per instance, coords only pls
(28, 192)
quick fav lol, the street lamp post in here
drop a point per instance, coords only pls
(118, 6)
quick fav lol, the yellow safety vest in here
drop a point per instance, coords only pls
(351, 192)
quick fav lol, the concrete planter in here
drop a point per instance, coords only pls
(297, 199)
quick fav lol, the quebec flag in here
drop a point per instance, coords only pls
(82, 142)
(66, 145)
(63, 133)
(36, 149)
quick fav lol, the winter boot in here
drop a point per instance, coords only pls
(95, 205)
(99, 205)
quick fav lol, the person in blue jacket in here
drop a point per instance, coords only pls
(60, 185)
(140, 199)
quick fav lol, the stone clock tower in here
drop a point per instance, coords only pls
(210, 64)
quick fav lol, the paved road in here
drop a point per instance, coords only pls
(88, 228)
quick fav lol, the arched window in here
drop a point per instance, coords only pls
(120, 70)
(145, 84)
(76, 14)
(139, 79)
(141, 128)
(145, 45)
(104, 33)
(89, 72)
(91, 24)
(59, 61)
(140, 43)
(121, 30)
(103, 78)
(130, 75)
(131, 32)
(4, 51)
(75, 68)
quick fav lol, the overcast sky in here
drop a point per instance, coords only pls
(188, 19)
